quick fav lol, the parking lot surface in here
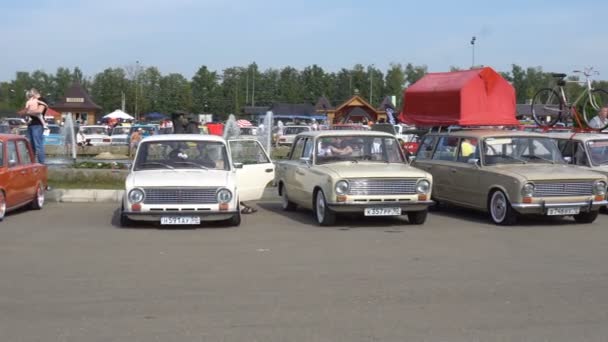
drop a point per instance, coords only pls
(69, 273)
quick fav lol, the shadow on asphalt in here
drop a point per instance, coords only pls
(148, 225)
(343, 222)
(464, 214)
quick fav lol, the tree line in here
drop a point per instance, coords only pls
(146, 89)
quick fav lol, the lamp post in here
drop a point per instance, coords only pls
(136, 86)
(473, 51)
(371, 84)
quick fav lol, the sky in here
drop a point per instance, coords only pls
(181, 35)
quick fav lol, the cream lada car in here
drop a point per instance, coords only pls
(508, 173)
(345, 172)
(183, 179)
(587, 150)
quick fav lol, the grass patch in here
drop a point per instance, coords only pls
(84, 184)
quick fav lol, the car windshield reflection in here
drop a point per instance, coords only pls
(520, 150)
(358, 148)
(598, 151)
(206, 155)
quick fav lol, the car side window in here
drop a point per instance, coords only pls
(307, 149)
(468, 150)
(1, 154)
(446, 149)
(13, 159)
(24, 153)
(425, 151)
(580, 155)
(247, 152)
(298, 148)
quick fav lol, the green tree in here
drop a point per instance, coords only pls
(175, 94)
(204, 88)
(108, 87)
(62, 80)
(314, 83)
(290, 89)
(414, 73)
(149, 90)
(395, 82)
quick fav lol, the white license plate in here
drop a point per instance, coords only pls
(173, 220)
(382, 211)
(563, 211)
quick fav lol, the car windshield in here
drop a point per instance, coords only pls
(350, 127)
(94, 130)
(598, 151)
(520, 150)
(248, 131)
(173, 155)
(120, 130)
(5, 129)
(54, 130)
(358, 148)
(294, 130)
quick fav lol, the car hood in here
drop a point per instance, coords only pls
(547, 172)
(373, 170)
(180, 178)
(601, 169)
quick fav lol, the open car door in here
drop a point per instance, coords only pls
(257, 170)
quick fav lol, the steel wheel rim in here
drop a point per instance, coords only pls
(2, 205)
(40, 196)
(285, 199)
(320, 207)
(498, 207)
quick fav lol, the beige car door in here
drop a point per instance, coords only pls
(292, 170)
(257, 169)
(443, 159)
(303, 176)
(465, 174)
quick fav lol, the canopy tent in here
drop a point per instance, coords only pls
(155, 116)
(119, 114)
(243, 123)
(479, 97)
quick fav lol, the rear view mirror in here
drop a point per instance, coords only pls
(238, 165)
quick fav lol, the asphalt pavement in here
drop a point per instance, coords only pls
(69, 273)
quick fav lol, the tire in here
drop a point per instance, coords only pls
(125, 222)
(235, 220)
(286, 204)
(39, 197)
(600, 97)
(417, 217)
(323, 215)
(500, 210)
(587, 217)
(2, 205)
(547, 102)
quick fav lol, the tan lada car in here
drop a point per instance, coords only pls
(340, 172)
(508, 173)
(587, 150)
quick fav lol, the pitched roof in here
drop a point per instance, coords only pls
(76, 97)
(323, 104)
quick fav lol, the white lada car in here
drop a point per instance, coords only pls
(184, 179)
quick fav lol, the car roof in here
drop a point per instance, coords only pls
(184, 137)
(340, 133)
(579, 136)
(482, 133)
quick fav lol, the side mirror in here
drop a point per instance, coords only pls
(568, 160)
(238, 165)
(474, 161)
(12, 162)
(306, 161)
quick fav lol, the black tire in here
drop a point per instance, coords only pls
(235, 220)
(286, 204)
(39, 198)
(125, 222)
(587, 217)
(323, 215)
(547, 102)
(600, 97)
(417, 217)
(499, 209)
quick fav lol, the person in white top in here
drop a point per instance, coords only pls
(601, 120)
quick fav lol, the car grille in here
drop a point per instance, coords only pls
(563, 189)
(402, 186)
(181, 196)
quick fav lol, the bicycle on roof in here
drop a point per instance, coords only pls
(551, 105)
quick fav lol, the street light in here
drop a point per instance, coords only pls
(473, 51)
(371, 85)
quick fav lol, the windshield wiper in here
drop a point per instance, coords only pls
(192, 163)
(158, 163)
(540, 158)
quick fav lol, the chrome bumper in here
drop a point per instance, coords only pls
(360, 207)
(156, 215)
(541, 208)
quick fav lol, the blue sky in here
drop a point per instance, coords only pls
(181, 35)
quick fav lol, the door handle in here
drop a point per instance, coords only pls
(269, 170)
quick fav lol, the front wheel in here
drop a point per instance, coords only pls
(595, 102)
(587, 217)
(501, 212)
(235, 220)
(38, 201)
(2, 205)
(547, 107)
(417, 217)
(324, 215)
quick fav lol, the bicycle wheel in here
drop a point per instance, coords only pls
(547, 107)
(591, 108)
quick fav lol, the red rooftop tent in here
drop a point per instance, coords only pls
(479, 97)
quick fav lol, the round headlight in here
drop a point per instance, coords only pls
(423, 187)
(527, 190)
(224, 196)
(599, 188)
(136, 196)
(342, 187)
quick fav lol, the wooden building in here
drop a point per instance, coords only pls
(355, 110)
(78, 102)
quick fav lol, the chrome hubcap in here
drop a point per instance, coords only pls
(40, 196)
(499, 207)
(2, 205)
(320, 207)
